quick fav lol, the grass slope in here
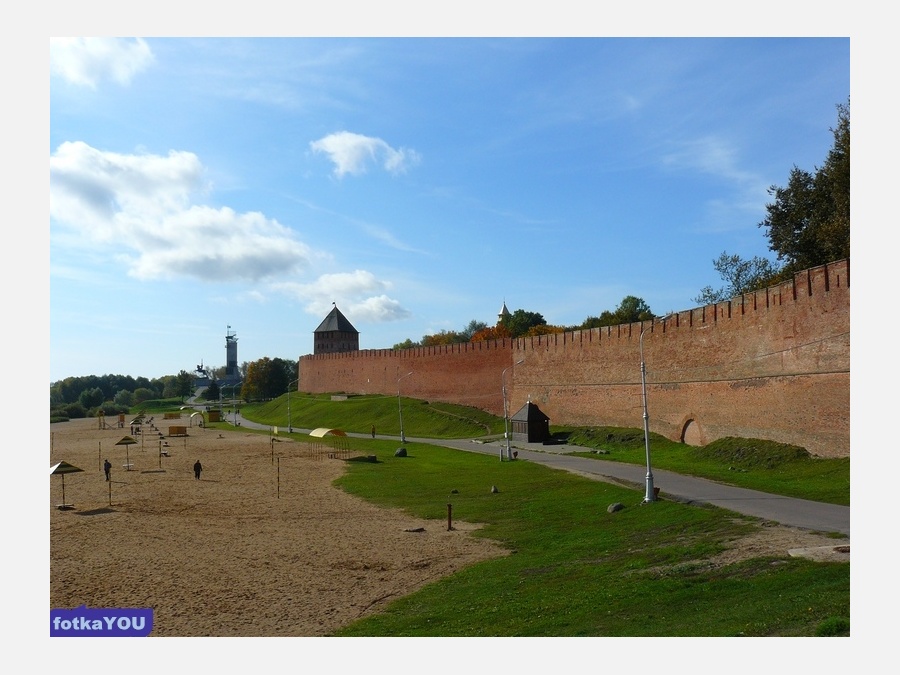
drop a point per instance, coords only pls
(751, 463)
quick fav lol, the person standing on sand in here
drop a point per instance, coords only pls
(107, 467)
(198, 467)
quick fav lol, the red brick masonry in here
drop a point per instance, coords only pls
(774, 364)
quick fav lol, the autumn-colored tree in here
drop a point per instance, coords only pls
(267, 378)
(544, 329)
(491, 333)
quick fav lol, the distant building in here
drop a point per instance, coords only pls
(335, 334)
(232, 373)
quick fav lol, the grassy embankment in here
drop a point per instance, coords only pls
(755, 464)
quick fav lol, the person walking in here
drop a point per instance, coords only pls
(373, 431)
(198, 467)
(107, 467)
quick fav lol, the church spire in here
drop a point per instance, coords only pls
(504, 313)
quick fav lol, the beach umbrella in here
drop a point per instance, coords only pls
(126, 441)
(62, 468)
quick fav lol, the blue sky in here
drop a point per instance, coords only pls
(197, 184)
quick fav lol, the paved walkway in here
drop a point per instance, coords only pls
(816, 516)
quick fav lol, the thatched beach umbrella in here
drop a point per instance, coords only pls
(62, 469)
(126, 441)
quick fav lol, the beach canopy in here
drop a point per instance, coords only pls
(126, 441)
(62, 468)
(325, 431)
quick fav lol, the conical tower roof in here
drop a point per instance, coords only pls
(335, 321)
(504, 312)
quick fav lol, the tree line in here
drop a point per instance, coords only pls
(524, 323)
(77, 397)
(807, 224)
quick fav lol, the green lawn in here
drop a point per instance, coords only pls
(573, 569)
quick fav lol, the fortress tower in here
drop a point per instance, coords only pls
(335, 334)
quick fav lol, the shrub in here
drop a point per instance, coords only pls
(834, 626)
(75, 411)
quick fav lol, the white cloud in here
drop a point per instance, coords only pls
(85, 61)
(358, 294)
(378, 309)
(141, 207)
(717, 158)
(351, 153)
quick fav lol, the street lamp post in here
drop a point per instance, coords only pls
(400, 406)
(290, 427)
(506, 411)
(649, 492)
(234, 404)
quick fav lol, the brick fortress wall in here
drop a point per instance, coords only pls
(774, 364)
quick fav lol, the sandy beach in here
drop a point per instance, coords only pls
(258, 546)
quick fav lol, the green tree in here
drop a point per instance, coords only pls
(445, 337)
(606, 318)
(142, 394)
(471, 328)
(284, 371)
(407, 344)
(124, 398)
(212, 391)
(519, 322)
(184, 385)
(808, 221)
(91, 398)
(740, 276)
(632, 309)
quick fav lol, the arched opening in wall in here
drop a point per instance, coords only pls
(691, 434)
